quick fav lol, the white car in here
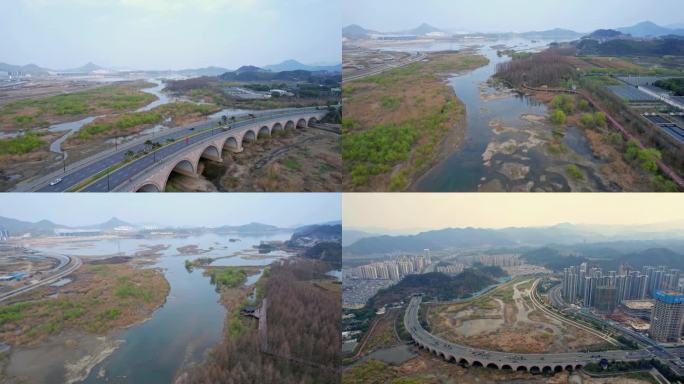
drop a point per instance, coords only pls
(56, 181)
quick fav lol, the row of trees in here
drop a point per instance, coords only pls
(546, 68)
(304, 343)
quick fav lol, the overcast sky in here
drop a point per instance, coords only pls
(190, 209)
(410, 211)
(509, 15)
(168, 34)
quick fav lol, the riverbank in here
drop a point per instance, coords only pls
(607, 147)
(402, 122)
(299, 341)
(74, 323)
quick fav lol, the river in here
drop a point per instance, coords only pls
(189, 323)
(505, 147)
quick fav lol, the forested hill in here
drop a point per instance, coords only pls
(438, 286)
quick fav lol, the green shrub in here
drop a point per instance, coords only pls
(574, 172)
(377, 150)
(21, 144)
(558, 117)
(645, 157)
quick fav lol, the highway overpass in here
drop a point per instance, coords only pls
(529, 362)
(91, 174)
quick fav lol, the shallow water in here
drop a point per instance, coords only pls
(190, 322)
(519, 161)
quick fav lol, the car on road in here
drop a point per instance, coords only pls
(56, 181)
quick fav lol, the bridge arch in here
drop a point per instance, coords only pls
(149, 187)
(289, 125)
(301, 123)
(184, 166)
(231, 144)
(534, 369)
(211, 153)
(312, 120)
(547, 369)
(569, 367)
(558, 368)
(463, 362)
(506, 367)
(521, 368)
(263, 132)
(477, 364)
(492, 365)
(578, 367)
(249, 137)
(277, 127)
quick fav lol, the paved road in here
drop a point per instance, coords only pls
(68, 264)
(548, 312)
(377, 70)
(122, 174)
(539, 360)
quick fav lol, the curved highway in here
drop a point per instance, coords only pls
(68, 264)
(533, 362)
(193, 134)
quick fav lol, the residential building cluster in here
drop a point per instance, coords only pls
(603, 291)
(394, 269)
(502, 260)
(591, 287)
(451, 269)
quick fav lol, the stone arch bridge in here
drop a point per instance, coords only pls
(185, 160)
(533, 363)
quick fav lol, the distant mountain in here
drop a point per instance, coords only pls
(310, 235)
(19, 227)
(87, 68)
(293, 65)
(259, 74)
(350, 236)
(650, 29)
(31, 69)
(422, 29)
(652, 256)
(356, 32)
(249, 69)
(603, 34)
(253, 228)
(630, 47)
(206, 71)
(472, 237)
(111, 224)
(319, 242)
(557, 33)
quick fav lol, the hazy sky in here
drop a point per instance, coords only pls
(411, 211)
(168, 34)
(509, 15)
(190, 209)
